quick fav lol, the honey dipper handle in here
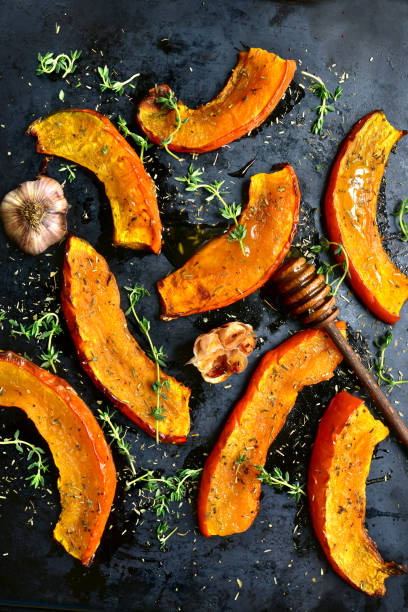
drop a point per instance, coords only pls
(390, 415)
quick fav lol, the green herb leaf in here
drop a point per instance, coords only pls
(329, 269)
(143, 143)
(157, 412)
(115, 86)
(232, 211)
(280, 481)
(384, 374)
(169, 101)
(403, 210)
(319, 89)
(118, 436)
(63, 63)
(166, 491)
(44, 328)
(71, 169)
(39, 465)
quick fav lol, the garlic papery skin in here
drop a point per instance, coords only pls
(223, 351)
(35, 215)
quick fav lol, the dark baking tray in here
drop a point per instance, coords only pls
(192, 46)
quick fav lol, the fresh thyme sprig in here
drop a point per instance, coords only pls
(328, 269)
(38, 464)
(165, 491)
(384, 374)
(239, 462)
(169, 101)
(46, 326)
(116, 86)
(118, 436)
(319, 89)
(71, 169)
(232, 211)
(403, 210)
(280, 481)
(158, 356)
(143, 143)
(62, 63)
(162, 534)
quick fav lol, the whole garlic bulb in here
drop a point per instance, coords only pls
(223, 351)
(35, 214)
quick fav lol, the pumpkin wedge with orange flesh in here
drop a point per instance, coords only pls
(228, 499)
(89, 139)
(219, 274)
(338, 470)
(256, 85)
(87, 477)
(351, 207)
(108, 353)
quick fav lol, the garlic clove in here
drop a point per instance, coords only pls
(247, 345)
(237, 361)
(232, 334)
(223, 351)
(34, 214)
(207, 343)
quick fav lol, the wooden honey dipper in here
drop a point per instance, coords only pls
(307, 297)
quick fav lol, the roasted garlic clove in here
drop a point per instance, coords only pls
(223, 351)
(35, 214)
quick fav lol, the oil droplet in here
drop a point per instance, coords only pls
(183, 239)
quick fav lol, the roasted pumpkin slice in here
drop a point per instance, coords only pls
(228, 499)
(89, 139)
(87, 477)
(338, 471)
(107, 351)
(219, 274)
(255, 87)
(351, 207)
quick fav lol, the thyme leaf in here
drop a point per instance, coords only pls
(115, 86)
(39, 465)
(117, 435)
(71, 169)
(320, 91)
(239, 462)
(164, 491)
(143, 143)
(169, 101)
(157, 412)
(384, 374)
(44, 328)
(280, 481)
(328, 269)
(62, 63)
(403, 210)
(194, 182)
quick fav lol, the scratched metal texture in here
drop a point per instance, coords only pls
(193, 46)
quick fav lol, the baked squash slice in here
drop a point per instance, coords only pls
(87, 477)
(338, 470)
(90, 140)
(351, 208)
(228, 499)
(256, 85)
(219, 274)
(106, 350)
